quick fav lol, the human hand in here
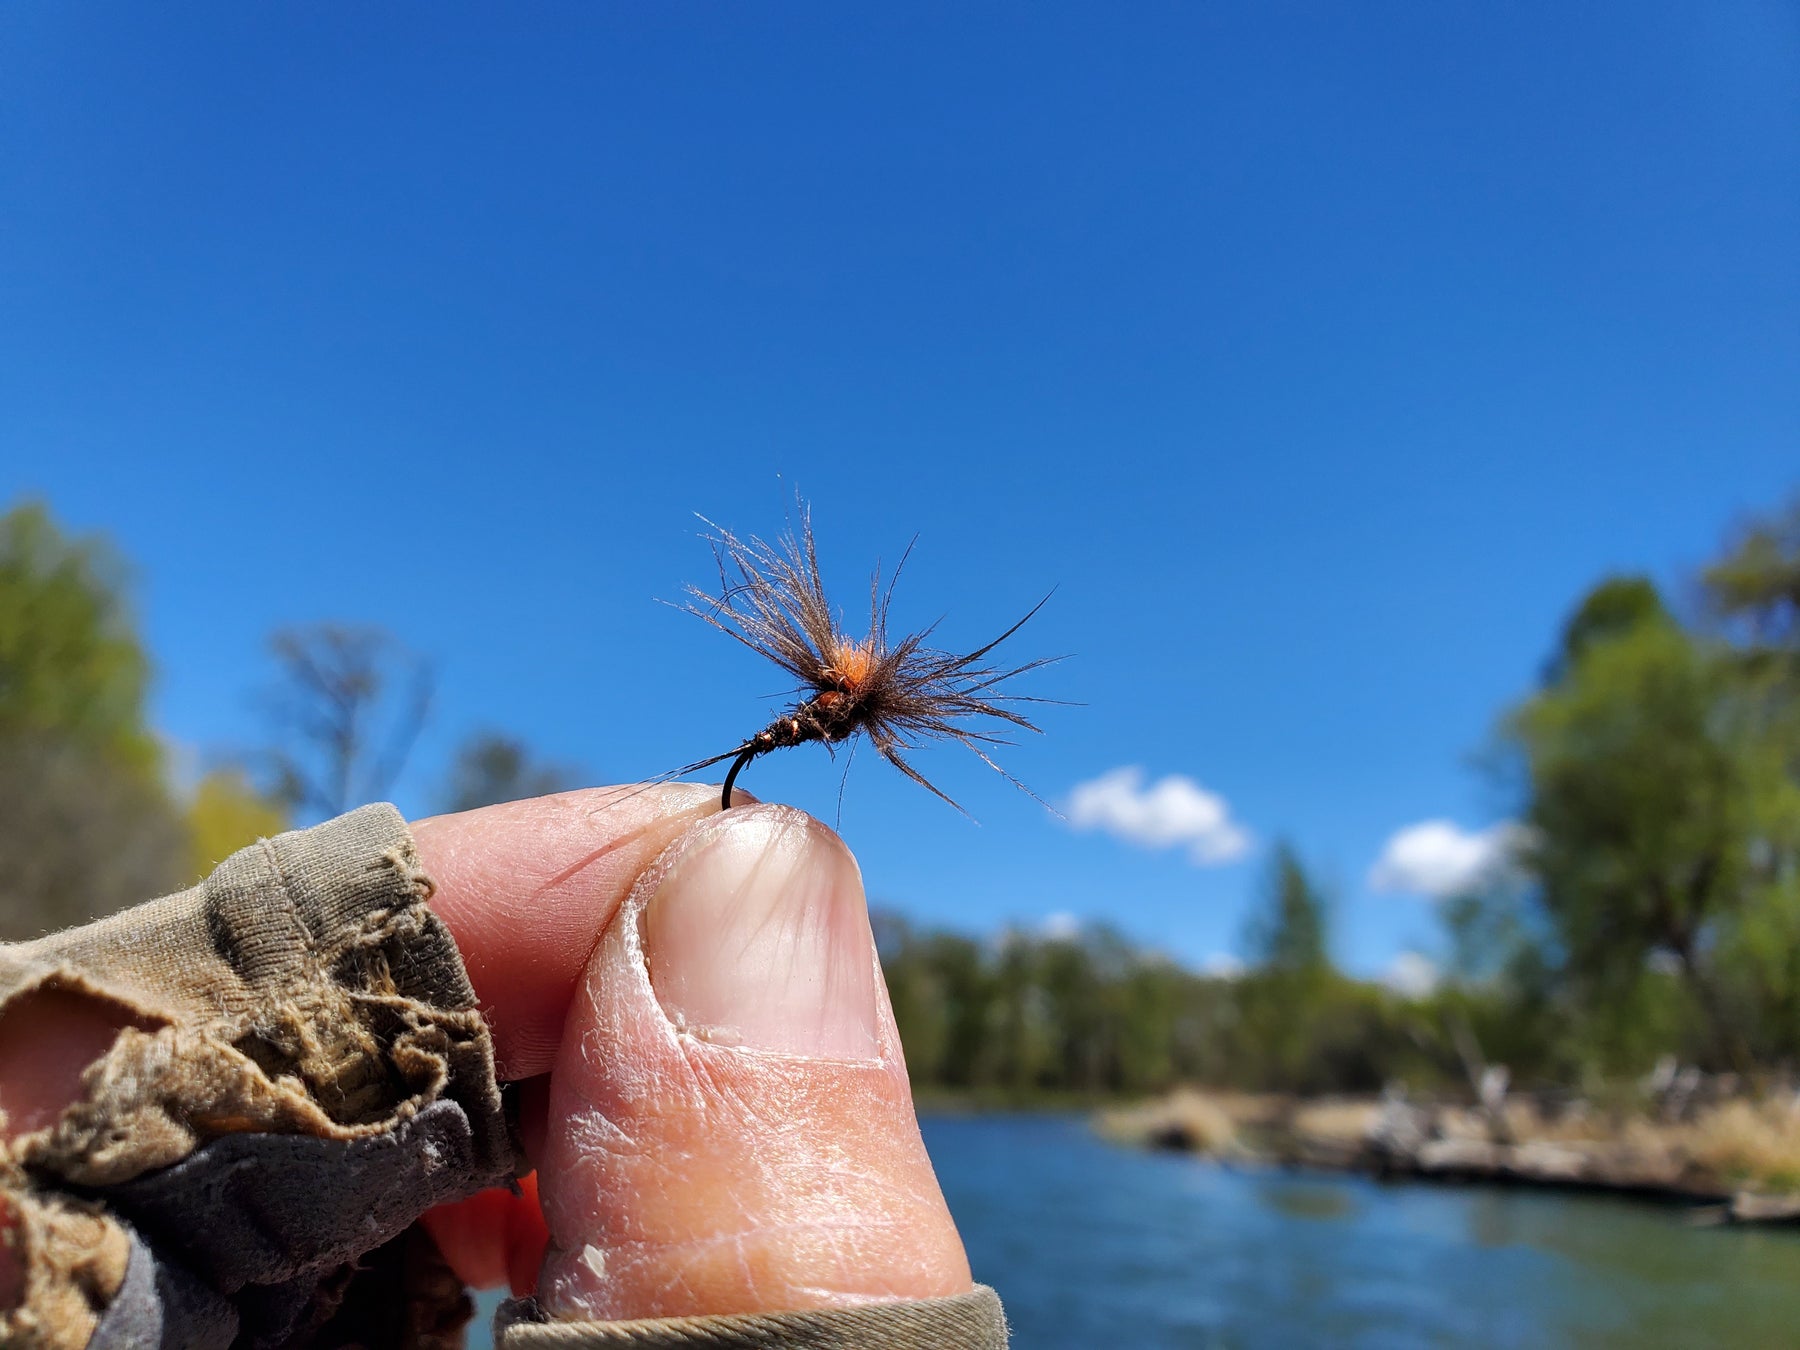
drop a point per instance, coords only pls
(712, 1088)
(714, 1093)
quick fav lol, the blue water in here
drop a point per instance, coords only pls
(1094, 1246)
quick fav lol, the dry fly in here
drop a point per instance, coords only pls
(899, 693)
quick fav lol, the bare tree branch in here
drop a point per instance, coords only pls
(347, 712)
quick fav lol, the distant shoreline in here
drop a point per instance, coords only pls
(1732, 1161)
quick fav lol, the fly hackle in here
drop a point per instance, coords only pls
(898, 692)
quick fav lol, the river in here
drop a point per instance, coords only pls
(1095, 1246)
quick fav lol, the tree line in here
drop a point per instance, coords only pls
(92, 815)
(1024, 1015)
(1650, 906)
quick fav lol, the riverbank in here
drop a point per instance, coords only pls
(1734, 1160)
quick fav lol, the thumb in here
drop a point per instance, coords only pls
(731, 1128)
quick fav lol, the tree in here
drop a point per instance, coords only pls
(349, 706)
(1658, 814)
(1288, 934)
(491, 768)
(1617, 605)
(226, 814)
(86, 825)
(71, 663)
(80, 837)
(941, 993)
(1285, 998)
(917, 996)
(1757, 583)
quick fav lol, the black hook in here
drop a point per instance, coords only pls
(744, 756)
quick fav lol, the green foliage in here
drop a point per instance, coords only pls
(1032, 1016)
(226, 814)
(1655, 909)
(1287, 936)
(1660, 813)
(1292, 1005)
(1758, 581)
(1618, 605)
(71, 665)
(85, 823)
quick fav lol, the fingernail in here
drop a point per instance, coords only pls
(760, 938)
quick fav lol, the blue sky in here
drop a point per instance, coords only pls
(1319, 356)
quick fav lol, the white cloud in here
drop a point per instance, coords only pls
(1222, 966)
(1061, 926)
(1172, 812)
(1411, 975)
(1439, 858)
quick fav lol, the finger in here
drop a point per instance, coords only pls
(493, 1239)
(48, 1038)
(12, 1269)
(496, 1237)
(731, 1128)
(527, 887)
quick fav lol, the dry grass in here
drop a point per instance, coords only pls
(1741, 1144)
(1577, 1124)
(1337, 1120)
(1737, 1143)
(1184, 1119)
(1755, 1142)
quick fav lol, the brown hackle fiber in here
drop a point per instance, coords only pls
(900, 693)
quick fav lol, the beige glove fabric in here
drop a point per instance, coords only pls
(972, 1321)
(302, 1072)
